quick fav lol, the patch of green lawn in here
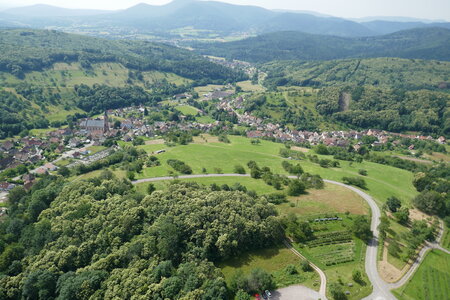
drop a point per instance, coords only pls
(205, 120)
(382, 181)
(431, 281)
(187, 110)
(274, 261)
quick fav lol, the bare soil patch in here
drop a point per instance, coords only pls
(301, 149)
(155, 142)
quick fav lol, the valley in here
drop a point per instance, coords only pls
(204, 150)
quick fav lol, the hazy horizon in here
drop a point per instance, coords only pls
(431, 10)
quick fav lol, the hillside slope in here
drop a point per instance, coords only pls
(424, 43)
(31, 50)
(387, 72)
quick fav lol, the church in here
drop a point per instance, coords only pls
(96, 126)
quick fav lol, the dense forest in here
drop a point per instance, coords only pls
(423, 43)
(100, 239)
(35, 50)
(17, 115)
(389, 72)
(390, 109)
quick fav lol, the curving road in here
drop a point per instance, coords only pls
(381, 289)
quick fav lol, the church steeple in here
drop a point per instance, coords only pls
(105, 118)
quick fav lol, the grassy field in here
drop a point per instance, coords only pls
(382, 181)
(248, 86)
(431, 281)
(273, 260)
(332, 199)
(205, 120)
(187, 110)
(207, 88)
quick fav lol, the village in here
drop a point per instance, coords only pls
(22, 159)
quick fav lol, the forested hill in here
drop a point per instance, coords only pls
(33, 50)
(424, 43)
(384, 72)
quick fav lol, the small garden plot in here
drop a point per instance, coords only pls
(330, 238)
(335, 254)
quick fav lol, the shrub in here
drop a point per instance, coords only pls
(306, 266)
(224, 139)
(296, 188)
(362, 172)
(130, 175)
(393, 203)
(151, 188)
(276, 198)
(238, 169)
(356, 181)
(179, 166)
(291, 270)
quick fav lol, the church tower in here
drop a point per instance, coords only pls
(106, 122)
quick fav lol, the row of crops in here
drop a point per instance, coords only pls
(330, 238)
(337, 254)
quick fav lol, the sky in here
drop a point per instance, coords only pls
(426, 9)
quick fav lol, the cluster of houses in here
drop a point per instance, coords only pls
(23, 151)
(234, 64)
(332, 138)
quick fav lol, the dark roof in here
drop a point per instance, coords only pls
(93, 123)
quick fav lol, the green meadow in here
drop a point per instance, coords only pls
(382, 181)
(431, 281)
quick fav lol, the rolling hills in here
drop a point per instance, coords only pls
(422, 43)
(41, 73)
(31, 50)
(193, 19)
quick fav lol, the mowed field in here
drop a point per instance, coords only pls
(382, 181)
(431, 281)
(274, 261)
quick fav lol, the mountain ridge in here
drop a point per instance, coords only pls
(422, 43)
(218, 18)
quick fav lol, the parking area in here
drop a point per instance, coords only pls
(295, 292)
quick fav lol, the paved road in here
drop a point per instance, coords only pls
(380, 287)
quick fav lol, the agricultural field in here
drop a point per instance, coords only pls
(248, 86)
(274, 261)
(337, 252)
(207, 88)
(430, 281)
